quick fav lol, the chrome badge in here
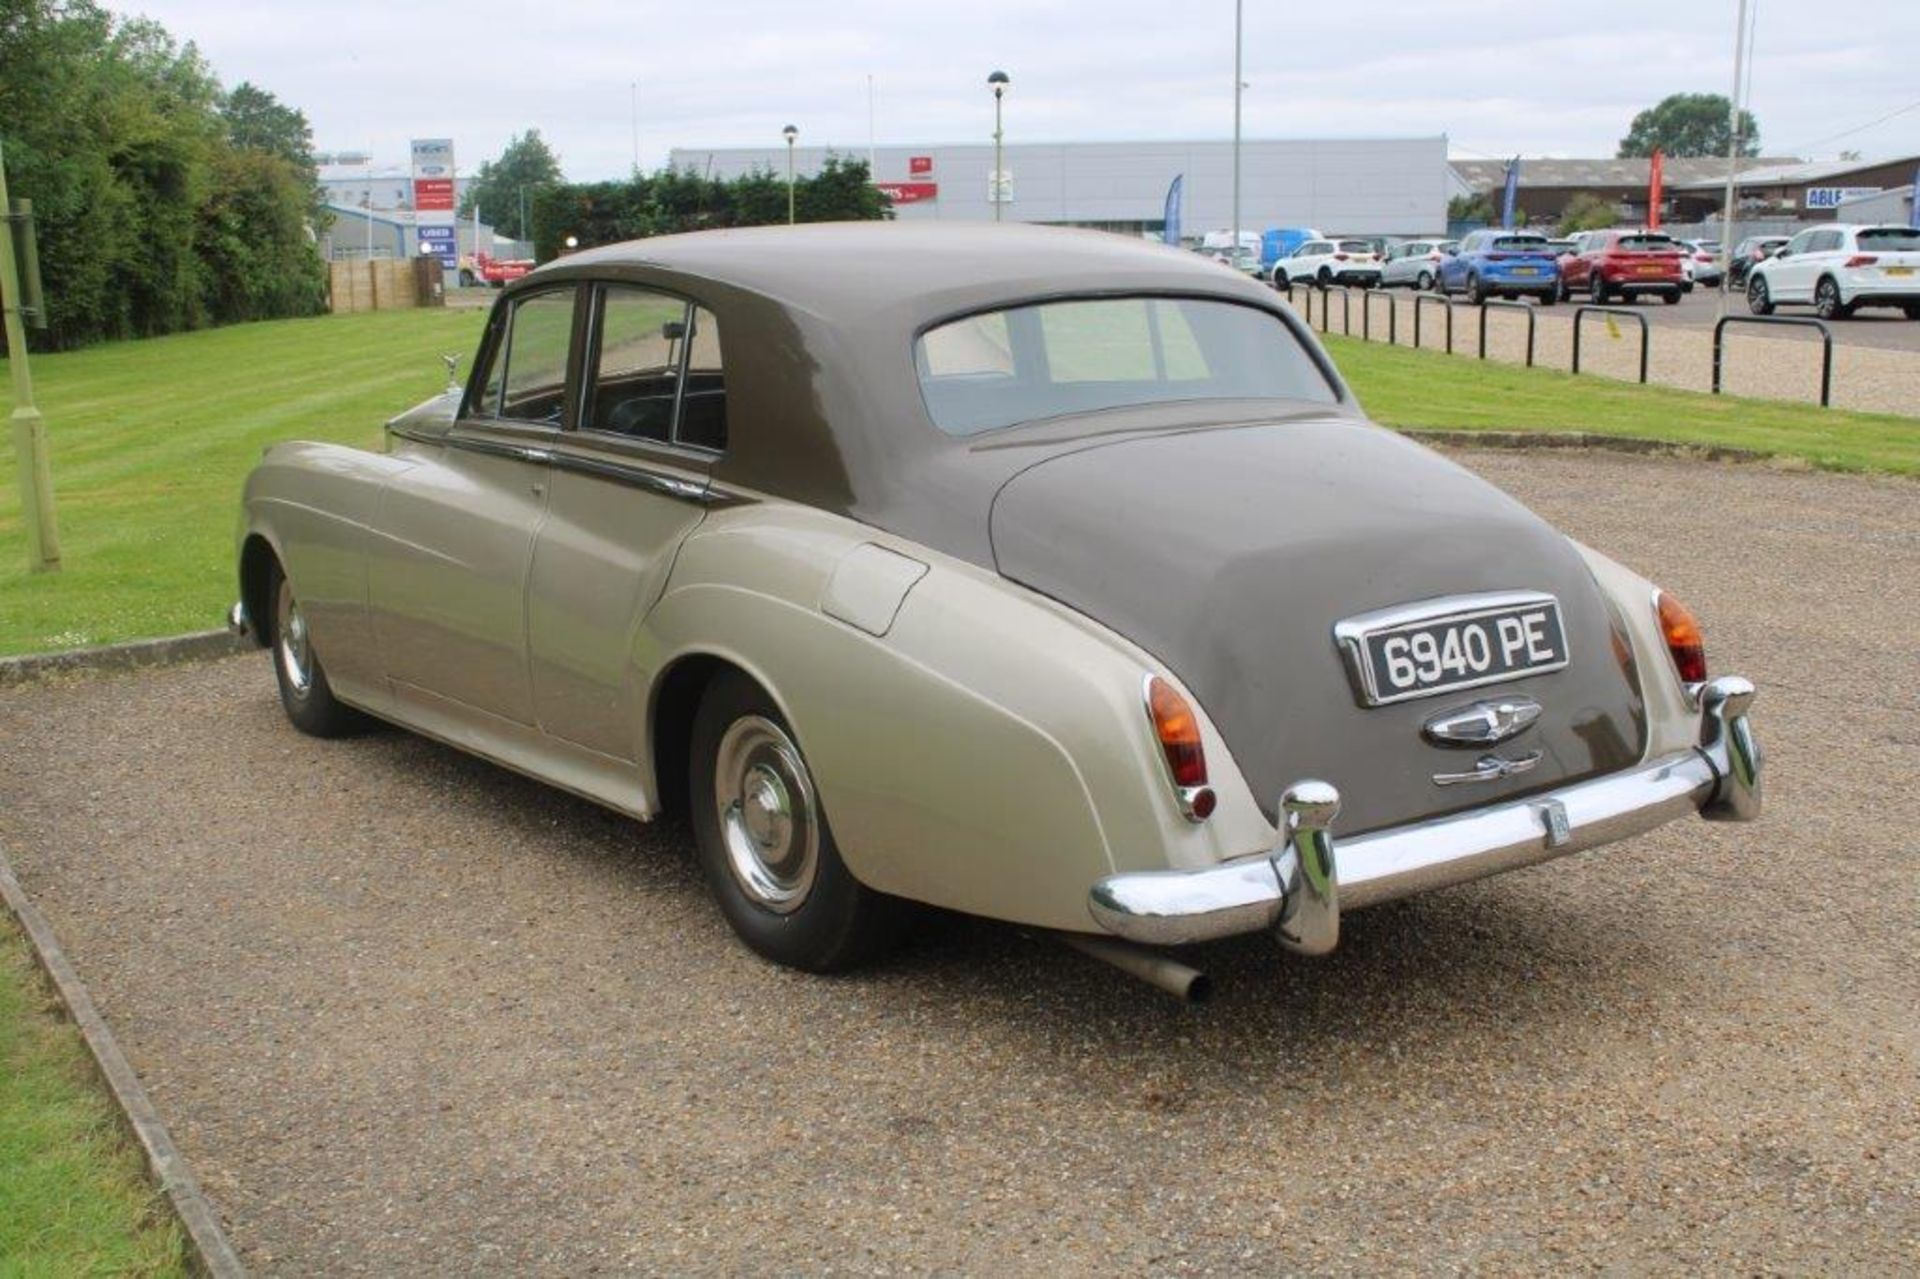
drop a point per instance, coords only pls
(1483, 723)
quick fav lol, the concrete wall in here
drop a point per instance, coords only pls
(1360, 186)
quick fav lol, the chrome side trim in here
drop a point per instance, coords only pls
(238, 623)
(663, 483)
(1491, 768)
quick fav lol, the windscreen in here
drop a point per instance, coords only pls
(1001, 368)
(1890, 239)
(1647, 244)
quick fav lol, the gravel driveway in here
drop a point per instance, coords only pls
(410, 1013)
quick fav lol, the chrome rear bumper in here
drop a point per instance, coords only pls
(1299, 888)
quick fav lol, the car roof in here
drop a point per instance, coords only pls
(817, 324)
(854, 268)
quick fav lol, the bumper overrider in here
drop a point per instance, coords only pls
(1299, 888)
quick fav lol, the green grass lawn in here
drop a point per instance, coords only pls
(73, 1197)
(1401, 387)
(150, 443)
(152, 439)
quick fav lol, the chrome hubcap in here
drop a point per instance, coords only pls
(768, 815)
(292, 646)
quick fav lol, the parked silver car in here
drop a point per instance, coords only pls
(1415, 264)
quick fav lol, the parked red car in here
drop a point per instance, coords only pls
(1623, 264)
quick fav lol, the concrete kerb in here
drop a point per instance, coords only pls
(200, 646)
(1584, 440)
(210, 1253)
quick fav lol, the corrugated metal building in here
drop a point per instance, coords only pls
(1342, 186)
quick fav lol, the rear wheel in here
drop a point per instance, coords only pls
(764, 843)
(1671, 298)
(1550, 296)
(1281, 282)
(466, 278)
(305, 693)
(1759, 300)
(1826, 301)
(1425, 282)
(1911, 311)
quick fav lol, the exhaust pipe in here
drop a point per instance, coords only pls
(1184, 983)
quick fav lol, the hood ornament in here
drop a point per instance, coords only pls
(1483, 723)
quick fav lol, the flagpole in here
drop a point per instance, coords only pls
(1234, 252)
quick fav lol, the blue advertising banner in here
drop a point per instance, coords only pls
(442, 242)
(1511, 196)
(1172, 214)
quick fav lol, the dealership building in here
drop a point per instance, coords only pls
(1342, 186)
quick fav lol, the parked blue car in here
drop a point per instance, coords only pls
(1509, 264)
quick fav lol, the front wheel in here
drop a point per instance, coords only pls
(1324, 279)
(1759, 300)
(1425, 282)
(1281, 282)
(1476, 293)
(1671, 299)
(764, 843)
(466, 278)
(1597, 287)
(305, 694)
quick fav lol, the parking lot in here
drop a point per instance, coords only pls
(408, 1012)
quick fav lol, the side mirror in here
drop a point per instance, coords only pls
(1782, 252)
(673, 330)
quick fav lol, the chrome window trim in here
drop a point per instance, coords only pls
(1350, 636)
(667, 485)
(590, 368)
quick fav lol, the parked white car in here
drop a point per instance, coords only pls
(1700, 264)
(1325, 262)
(1415, 264)
(1837, 269)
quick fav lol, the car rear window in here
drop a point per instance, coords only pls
(1025, 364)
(1647, 244)
(1522, 243)
(1356, 246)
(1890, 239)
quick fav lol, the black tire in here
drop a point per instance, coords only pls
(1425, 282)
(1280, 280)
(1324, 279)
(1759, 298)
(804, 909)
(466, 278)
(1671, 298)
(1826, 300)
(1911, 311)
(1475, 294)
(1550, 296)
(1597, 287)
(305, 693)
(1561, 293)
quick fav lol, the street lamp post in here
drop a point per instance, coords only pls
(998, 82)
(790, 134)
(1237, 87)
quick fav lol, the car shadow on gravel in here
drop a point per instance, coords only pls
(1508, 959)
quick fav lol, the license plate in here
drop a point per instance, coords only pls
(1418, 650)
(1650, 270)
(1526, 270)
(1899, 270)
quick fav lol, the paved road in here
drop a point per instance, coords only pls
(409, 1013)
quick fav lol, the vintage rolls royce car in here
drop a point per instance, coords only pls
(1039, 574)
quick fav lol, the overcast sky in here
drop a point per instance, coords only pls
(1539, 77)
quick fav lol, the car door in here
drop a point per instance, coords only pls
(1790, 276)
(453, 533)
(629, 484)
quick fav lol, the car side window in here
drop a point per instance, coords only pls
(1826, 242)
(703, 408)
(656, 371)
(1799, 243)
(532, 382)
(636, 372)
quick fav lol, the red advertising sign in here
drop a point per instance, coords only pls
(909, 192)
(432, 194)
(919, 166)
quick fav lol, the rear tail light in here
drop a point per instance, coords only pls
(1178, 729)
(1861, 259)
(1685, 644)
(1339, 257)
(1433, 257)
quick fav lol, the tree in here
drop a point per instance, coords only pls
(1587, 212)
(504, 187)
(1477, 207)
(1688, 124)
(257, 121)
